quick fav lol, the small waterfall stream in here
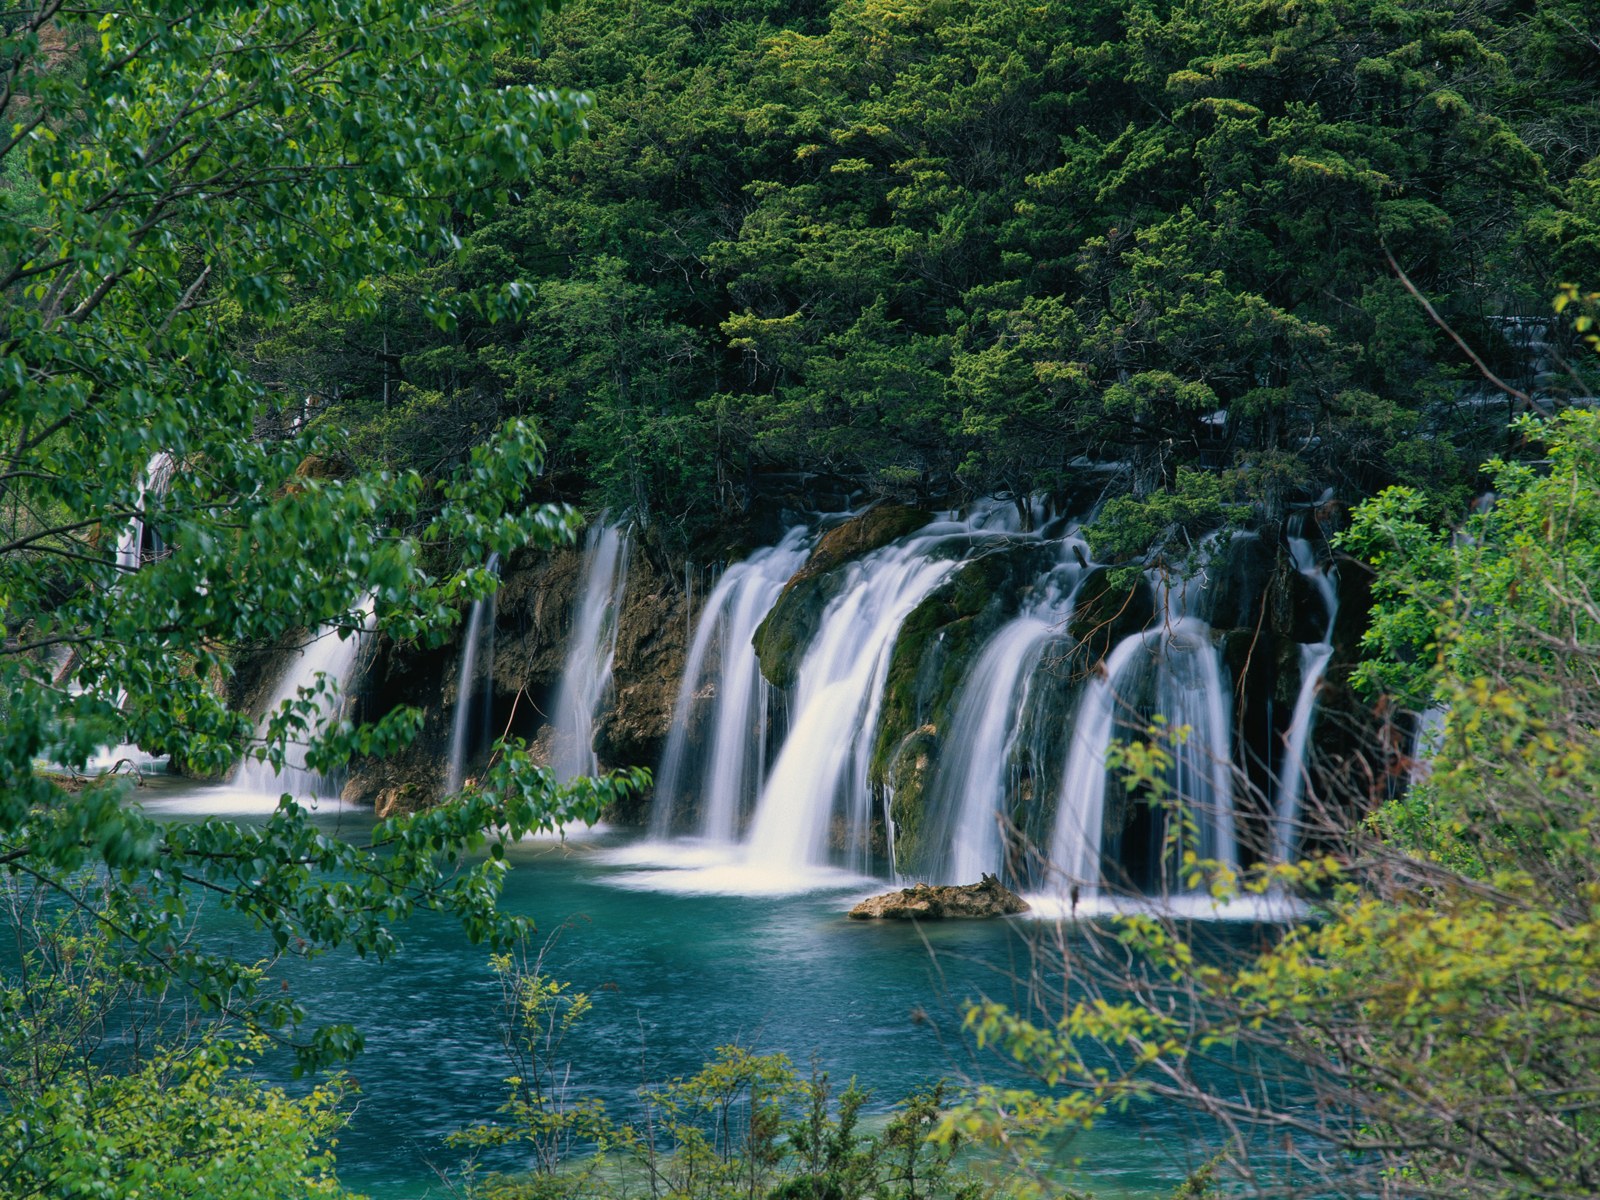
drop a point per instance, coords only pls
(1080, 805)
(325, 668)
(156, 480)
(1314, 659)
(723, 675)
(821, 772)
(586, 675)
(982, 765)
(136, 544)
(474, 698)
(1173, 670)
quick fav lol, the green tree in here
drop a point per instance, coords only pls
(107, 1088)
(169, 170)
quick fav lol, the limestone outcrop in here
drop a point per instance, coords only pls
(934, 902)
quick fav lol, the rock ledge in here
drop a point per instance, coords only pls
(933, 902)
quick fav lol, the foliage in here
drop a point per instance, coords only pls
(953, 250)
(541, 1110)
(172, 172)
(1129, 527)
(1433, 1032)
(106, 1093)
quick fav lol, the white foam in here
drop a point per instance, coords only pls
(1275, 908)
(235, 802)
(737, 879)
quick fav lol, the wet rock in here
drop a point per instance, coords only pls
(1237, 578)
(411, 777)
(907, 773)
(933, 902)
(652, 649)
(932, 655)
(534, 614)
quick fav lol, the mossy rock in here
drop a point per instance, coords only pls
(1297, 612)
(781, 639)
(1112, 604)
(908, 772)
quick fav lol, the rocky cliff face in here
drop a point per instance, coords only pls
(533, 614)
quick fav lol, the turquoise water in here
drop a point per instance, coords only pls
(674, 974)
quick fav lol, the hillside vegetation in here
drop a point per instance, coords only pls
(947, 249)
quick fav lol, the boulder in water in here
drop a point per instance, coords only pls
(935, 902)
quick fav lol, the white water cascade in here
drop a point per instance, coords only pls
(472, 697)
(979, 765)
(1314, 658)
(156, 480)
(823, 765)
(323, 670)
(723, 673)
(1173, 670)
(590, 650)
(820, 775)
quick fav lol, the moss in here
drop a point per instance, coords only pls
(781, 639)
(907, 775)
(936, 644)
(932, 655)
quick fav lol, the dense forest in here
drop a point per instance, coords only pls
(311, 312)
(942, 251)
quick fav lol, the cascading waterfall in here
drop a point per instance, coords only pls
(593, 644)
(723, 674)
(1191, 694)
(1314, 658)
(156, 480)
(1174, 670)
(327, 666)
(1080, 806)
(980, 764)
(821, 771)
(998, 756)
(473, 698)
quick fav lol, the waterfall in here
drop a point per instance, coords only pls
(723, 675)
(156, 480)
(1173, 670)
(821, 772)
(1191, 695)
(1314, 658)
(326, 665)
(472, 698)
(982, 759)
(1080, 806)
(590, 650)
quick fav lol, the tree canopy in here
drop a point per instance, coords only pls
(948, 250)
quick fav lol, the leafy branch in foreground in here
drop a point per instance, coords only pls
(167, 170)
